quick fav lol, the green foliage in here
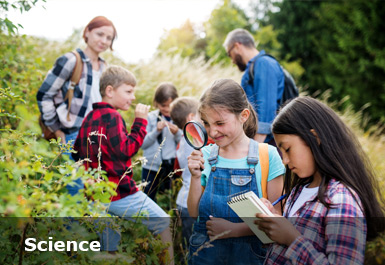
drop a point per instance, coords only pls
(223, 20)
(184, 41)
(21, 5)
(340, 47)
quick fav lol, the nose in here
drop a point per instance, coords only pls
(285, 159)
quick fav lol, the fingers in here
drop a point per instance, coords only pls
(195, 162)
(141, 110)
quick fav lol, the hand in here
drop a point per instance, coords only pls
(219, 228)
(141, 111)
(61, 134)
(269, 206)
(278, 228)
(195, 163)
(173, 128)
(160, 125)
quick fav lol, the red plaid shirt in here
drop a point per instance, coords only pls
(329, 236)
(105, 128)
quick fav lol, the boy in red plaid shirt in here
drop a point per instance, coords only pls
(104, 131)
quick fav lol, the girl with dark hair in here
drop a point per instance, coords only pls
(159, 145)
(62, 117)
(230, 166)
(334, 202)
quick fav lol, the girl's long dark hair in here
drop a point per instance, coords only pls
(338, 155)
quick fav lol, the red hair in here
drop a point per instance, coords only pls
(98, 22)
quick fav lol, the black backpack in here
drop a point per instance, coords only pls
(290, 90)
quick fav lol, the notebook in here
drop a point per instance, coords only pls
(246, 205)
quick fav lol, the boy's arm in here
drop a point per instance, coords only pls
(130, 143)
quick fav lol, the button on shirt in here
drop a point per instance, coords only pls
(116, 145)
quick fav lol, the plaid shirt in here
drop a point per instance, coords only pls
(329, 236)
(51, 94)
(116, 145)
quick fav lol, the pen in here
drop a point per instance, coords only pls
(279, 199)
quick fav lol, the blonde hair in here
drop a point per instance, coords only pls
(181, 108)
(115, 76)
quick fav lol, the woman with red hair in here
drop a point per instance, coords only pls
(64, 117)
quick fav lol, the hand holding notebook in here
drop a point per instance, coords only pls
(246, 206)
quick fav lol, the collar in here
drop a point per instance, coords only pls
(102, 105)
(85, 58)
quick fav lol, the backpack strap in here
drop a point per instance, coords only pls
(75, 78)
(264, 160)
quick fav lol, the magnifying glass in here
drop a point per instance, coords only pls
(195, 134)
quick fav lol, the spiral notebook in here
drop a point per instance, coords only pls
(246, 206)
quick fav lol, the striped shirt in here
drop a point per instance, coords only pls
(105, 128)
(51, 94)
(328, 236)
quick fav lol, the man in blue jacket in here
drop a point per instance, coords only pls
(264, 91)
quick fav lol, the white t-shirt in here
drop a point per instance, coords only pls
(306, 195)
(95, 90)
(182, 153)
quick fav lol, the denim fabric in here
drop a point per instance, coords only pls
(137, 204)
(74, 188)
(266, 90)
(222, 184)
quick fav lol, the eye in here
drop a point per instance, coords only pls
(287, 150)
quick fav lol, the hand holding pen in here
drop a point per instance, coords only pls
(279, 199)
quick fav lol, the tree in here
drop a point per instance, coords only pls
(184, 41)
(223, 20)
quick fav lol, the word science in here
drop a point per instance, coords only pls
(31, 245)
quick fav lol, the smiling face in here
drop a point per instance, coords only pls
(100, 39)
(224, 127)
(297, 155)
(122, 96)
(164, 107)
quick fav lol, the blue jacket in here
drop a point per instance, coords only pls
(266, 91)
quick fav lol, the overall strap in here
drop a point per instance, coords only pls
(213, 158)
(264, 158)
(252, 156)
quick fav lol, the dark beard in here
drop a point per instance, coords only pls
(239, 63)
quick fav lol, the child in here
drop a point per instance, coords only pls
(183, 110)
(333, 193)
(160, 131)
(230, 166)
(117, 147)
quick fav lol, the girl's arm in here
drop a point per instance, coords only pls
(274, 190)
(195, 163)
(344, 233)
(222, 228)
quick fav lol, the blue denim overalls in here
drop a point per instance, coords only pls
(222, 183)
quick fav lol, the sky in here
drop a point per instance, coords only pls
(139, 23)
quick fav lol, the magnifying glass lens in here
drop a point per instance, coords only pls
(195, 135)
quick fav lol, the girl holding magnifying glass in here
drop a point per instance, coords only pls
(224, 169)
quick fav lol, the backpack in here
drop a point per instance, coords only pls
(75, 78)
(290, 90)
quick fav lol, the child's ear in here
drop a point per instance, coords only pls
(316, 136)
(245, 115)
(190, 117)
(109, 91)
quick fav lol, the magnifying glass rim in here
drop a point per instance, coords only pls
(203, 130)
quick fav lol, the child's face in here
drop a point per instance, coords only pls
(164, 107)
(296, 154)
(122, 97)
(222, 126)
